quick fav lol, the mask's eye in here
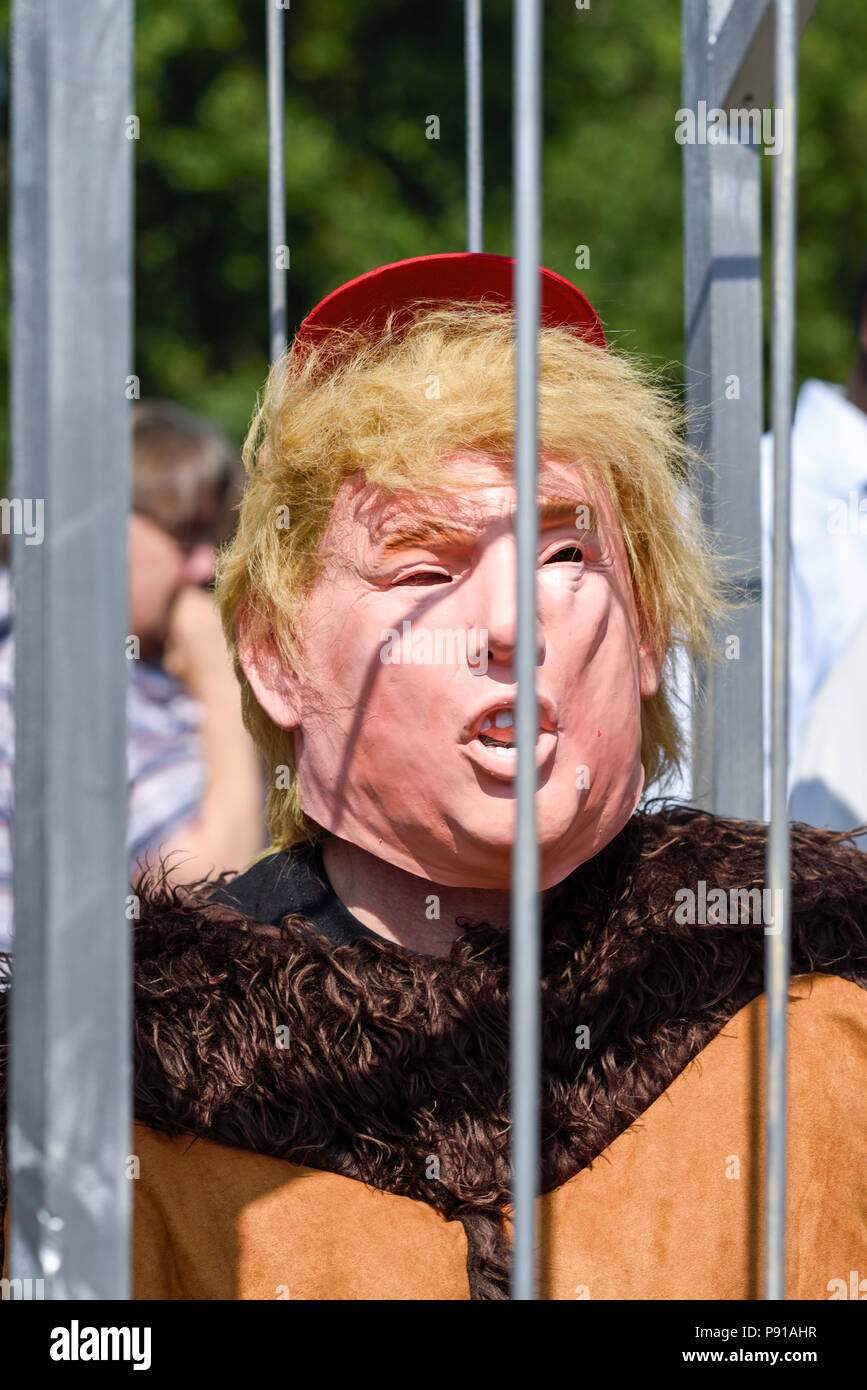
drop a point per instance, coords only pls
(569, 555)
(422, 577)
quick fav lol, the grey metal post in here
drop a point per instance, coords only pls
(723, 311)
(525, 951)
(69, 1122)
(474, 122)
(777, 941)
(276, 179)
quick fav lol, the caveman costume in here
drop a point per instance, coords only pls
(322, 1108)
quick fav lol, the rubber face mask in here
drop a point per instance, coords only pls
(402, 707)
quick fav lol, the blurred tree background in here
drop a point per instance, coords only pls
(365, 185)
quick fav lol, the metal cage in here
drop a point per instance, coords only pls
(69, 1119)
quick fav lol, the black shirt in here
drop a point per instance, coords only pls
(291, 881)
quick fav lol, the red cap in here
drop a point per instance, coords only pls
(459, 275)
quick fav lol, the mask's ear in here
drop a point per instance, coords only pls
(650, 664)
(276, 688)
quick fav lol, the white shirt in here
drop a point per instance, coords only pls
(828, 607)
(829, 555)
(830, 780)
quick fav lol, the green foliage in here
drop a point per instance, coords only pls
(365, 186)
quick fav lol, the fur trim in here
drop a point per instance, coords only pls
(394, 1058)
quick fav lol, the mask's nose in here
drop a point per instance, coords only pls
(498, 602)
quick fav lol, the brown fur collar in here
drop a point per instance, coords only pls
(394, 1059)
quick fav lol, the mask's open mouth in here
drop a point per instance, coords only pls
(489, 736)
(491, 742)
(498, 731)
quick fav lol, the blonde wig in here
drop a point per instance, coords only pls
(394, 407)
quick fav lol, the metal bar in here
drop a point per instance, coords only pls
(70, 1082)
(777, 941)
(747, 27)
(743, 52)
(276, 179)
(474, 118)
(723, 313)
(526, 949)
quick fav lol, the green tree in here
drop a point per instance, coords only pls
(364, 184)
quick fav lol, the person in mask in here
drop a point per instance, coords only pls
(322, 1091)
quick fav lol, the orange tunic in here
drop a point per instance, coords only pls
(271, 1044)
(672, 1209)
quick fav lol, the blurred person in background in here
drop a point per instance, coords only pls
(828, 646)
(195, 782)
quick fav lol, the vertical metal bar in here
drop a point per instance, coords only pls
(276, 179)
(723, 322)
(777, 941)
(474, 119)
(526, 950)
(69, 1122)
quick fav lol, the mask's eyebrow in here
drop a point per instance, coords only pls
(581, 515)
(427, 534)
(433, 533)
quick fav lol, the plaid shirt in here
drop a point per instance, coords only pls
(165, 764)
